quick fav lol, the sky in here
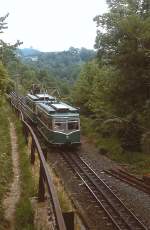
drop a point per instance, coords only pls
(51, 25)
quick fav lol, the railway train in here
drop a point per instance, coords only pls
(58, 122)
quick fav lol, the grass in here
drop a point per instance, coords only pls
(64, 200)
(24, 210)
(5, 158)
(138, 162)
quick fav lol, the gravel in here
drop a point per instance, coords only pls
(137, 201)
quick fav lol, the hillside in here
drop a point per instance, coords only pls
(28, 52)
(63, 65)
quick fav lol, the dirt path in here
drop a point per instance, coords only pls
(13, 196)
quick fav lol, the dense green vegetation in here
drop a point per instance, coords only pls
(5, 142)
(5, 159)
(7, 54)
(51, 69)
(113, 90)
(24, 212)
(24, 209)
(63, 65)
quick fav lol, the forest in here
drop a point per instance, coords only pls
(65, 65)
(117, 81)
(111, 85)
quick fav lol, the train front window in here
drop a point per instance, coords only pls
(65, 125)
(60, 126)
(73, 125)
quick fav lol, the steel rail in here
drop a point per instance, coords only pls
(91, 191)
(129, 179)
(127, 224)
(112, 193)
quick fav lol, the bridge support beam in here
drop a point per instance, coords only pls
(32, 152)
(41, 192)
(25, 130)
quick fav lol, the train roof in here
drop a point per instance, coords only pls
(40, 97)
(33, 97)
(63, 107)
(45, 96)
(58, 108)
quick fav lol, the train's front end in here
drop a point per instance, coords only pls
(66, 128)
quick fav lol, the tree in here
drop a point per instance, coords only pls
(123, 41)
(3, 24)
(83, 90)
(7, 51)
(131, 138)
(5, 81)
(4, 78)
(103, 83)
(7, 55)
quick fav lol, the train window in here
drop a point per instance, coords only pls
(60, 126)
(73, 125)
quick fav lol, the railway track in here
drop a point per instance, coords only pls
(102, 196)
(129, 179)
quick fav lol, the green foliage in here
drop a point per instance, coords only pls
(24, 215)
(24, 210)
(145, 142)
(124, 43)
(87, 127)
(83, 88)
(7, 55)
(5, 158)
(7, 51)
(137, 162)
(131, 138)
(6, 84)
(63, 65)
(3, 24)
(116, 85)
(92, 91)
(3, 78)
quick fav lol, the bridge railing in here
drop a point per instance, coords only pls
(44, 176)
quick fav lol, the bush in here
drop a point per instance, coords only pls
(5, 158)
(131, 138)
(112, 127)
(24, 215)
(145, 142)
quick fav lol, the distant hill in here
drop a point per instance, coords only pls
(64, 65)
(28, 52)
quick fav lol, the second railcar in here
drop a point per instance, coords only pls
(30, 104)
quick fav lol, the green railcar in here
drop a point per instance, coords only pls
(30, 104)
(59, 123)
